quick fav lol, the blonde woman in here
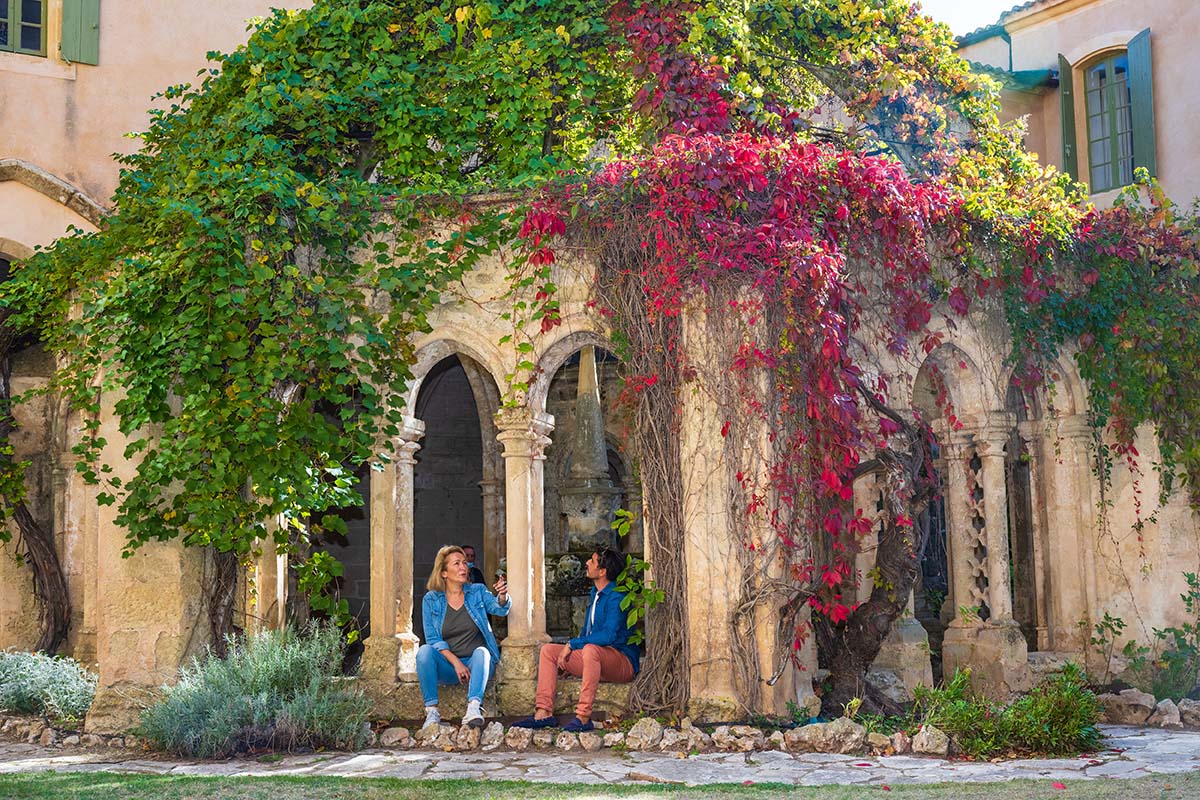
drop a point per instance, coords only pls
(459, 644)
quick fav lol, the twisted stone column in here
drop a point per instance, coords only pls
(992, 441)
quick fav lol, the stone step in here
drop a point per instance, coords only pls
(503, 698)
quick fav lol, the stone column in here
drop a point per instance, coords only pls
(391, 649)
(992, 441)
(1031, 437)
(960, 533)
(524, 433)
(1071, 535)
(958, 643)
(995, 651)
(268, 611)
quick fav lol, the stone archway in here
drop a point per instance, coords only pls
(586, 480)
(975, 432)
(455, 481)
(444, 367)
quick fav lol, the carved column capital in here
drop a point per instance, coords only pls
(524, 432)
(411, 430)
(993, 437)
(1076, 427)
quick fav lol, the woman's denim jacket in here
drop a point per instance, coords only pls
(479, 602)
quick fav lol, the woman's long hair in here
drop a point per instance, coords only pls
(436, 582)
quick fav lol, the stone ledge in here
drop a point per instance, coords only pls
(512, 697)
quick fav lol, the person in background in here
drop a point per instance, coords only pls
(600, 653)
(475, 572)
(459, 644)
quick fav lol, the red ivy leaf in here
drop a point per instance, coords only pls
(960, 302)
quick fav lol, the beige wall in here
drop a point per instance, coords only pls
(69, 118)
(1080, 29)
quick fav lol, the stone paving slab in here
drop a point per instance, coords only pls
(1131, 753)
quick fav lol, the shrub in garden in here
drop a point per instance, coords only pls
(35, 683)
(280, 690)
(1057, 718)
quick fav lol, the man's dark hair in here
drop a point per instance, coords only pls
(612, 562)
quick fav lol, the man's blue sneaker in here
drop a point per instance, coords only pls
(576, 725)
(537, 724)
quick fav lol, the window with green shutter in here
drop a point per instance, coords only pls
(80, 32)
(23, 26)
(1119, 102)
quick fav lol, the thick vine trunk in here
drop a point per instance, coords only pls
(49, 582)
(222, 597)
(35, 544)
(850, 647)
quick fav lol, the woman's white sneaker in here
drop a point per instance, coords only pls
(432, 716)
(474, 716)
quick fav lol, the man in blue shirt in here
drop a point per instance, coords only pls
(600, 653)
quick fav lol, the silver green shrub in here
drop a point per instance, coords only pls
(280, 690)
(34, 683)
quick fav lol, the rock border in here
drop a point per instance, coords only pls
(841, 736)
(37, 730)
(844, 736)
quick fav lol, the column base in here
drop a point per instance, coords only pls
(905, 654)
(383, 672)
(117, 707)
(517, 681)
(996, 653)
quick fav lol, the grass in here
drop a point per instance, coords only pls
(109, 786)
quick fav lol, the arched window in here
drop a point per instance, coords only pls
(1117, 106)
(1109, 122)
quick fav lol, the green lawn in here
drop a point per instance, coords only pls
(109, 786)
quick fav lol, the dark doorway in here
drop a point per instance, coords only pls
(447, 500)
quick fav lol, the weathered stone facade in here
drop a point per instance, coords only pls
(1031, 562)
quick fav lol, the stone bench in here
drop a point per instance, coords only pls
(503, 698)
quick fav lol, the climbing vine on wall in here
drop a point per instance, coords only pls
(833, 264)
(800, 189)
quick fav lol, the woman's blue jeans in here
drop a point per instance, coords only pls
(433, 669)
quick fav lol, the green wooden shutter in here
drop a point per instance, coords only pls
(81, 31)
(1141, 94)
(1066, 99)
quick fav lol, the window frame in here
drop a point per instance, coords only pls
(1111, 112)
(15, 23)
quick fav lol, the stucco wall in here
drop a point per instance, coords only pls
(1080, 29)
(69, 119)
